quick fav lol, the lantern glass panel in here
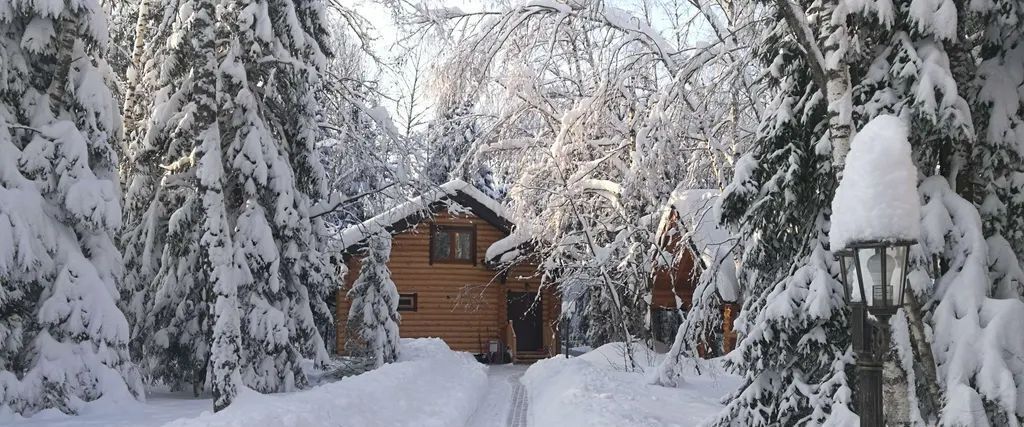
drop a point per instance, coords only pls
(848, 274)
(860, 279)
(880, 267)
(883, 270)
(898, 279)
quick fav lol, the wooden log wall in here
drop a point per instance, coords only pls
(682, 276)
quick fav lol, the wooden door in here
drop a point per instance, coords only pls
(524, 310)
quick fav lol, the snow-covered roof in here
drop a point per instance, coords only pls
(507, 250)
(405, 215)
(710, 240)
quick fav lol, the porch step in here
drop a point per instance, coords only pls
(529, 357)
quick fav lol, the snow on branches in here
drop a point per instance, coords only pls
(976, 331)
(63, 340)
(223, 174)
(373, 316)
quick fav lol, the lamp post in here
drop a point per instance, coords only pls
(876, 217)
(874, 277)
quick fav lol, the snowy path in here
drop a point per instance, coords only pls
(504, 405)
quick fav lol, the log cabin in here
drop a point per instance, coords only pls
(694, 242)
(446, 287)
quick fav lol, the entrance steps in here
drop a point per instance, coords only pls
(529, 357)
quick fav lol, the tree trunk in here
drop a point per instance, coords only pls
(838, 91)
(829, 72)
(129, 110)
(928, 378)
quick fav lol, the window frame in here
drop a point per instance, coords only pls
(452, 231)
(415, 301)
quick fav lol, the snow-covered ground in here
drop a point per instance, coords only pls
(160, 408)
(595, 390)
(430, 385)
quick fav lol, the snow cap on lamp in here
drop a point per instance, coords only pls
(877, 197)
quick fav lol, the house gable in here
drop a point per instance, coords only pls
(456, 193)
(689, 229)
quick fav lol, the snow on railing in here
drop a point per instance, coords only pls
(510, 338)
(553, 349)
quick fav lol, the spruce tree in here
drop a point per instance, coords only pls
(450, 140)
(170, 301)
(270, 151)
(997, 103)
(63, 340)
(151, 172)
(795, 355)
(219, 265)
(233, 83)
(373, 316)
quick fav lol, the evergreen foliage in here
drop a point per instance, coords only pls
(207, 93)
(795, 355)
(373, 316)
(910, 60)
(63, 340)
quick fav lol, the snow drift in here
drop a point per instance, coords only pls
(430, 385)
(595, 390)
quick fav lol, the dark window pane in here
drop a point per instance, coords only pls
(407, 302)
(464, 246)
(665, 324)
(442, 245)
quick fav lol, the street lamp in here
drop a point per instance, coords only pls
(876, 217)
(874, 277)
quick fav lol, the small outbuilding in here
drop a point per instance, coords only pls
(694, 242)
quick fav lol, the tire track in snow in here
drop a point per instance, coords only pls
(505, 398)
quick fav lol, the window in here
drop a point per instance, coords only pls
(453, 244)
(406, 302)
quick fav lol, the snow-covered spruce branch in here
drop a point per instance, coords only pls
(805, 37)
